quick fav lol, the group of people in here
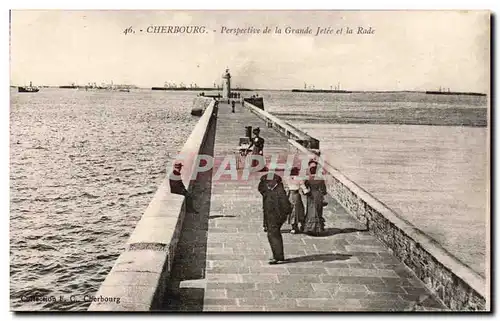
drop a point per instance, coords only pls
(284, 203)
(308, 218)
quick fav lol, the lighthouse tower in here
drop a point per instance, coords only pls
(226, 84)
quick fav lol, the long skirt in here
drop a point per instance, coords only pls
(315, 224)
(297, 216)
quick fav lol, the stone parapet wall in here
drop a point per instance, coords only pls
(285, 128)
(140, 274)
(454, 283)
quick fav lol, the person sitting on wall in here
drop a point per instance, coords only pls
(177, 187)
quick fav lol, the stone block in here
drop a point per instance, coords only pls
(223, 277)
(331, 287)
(123, 278)
(228, 285)
(122, 307)
(315, 303)
(215, 294)
(164, 204)
(229, 269)
(338, 271)
(307, 270)
(223, 302)
(153, 230)
(352, 280)
(233, 293)
(242, 308)
(385, 288)
(259, 278)
(283, 286)
(299, 279)
(140, 261)
(269, 269)
(374, 272)
(287, 302)
(352, 288)
(140, 295)
(293, 293)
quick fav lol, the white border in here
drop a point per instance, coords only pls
(185, 4)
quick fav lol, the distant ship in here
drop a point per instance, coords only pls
(321, 91)
(192, 87)
(447, 91)
(337, 90)
(72, 86)
(28, 89)
(107, 87)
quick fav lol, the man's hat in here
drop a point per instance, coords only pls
(178, 165)
(256, 129)
(312, 163)
(295, 171)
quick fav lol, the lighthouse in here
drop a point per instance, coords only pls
(226, 84)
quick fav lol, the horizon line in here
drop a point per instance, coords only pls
(326, 91)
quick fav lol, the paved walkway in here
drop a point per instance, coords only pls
(223, 252)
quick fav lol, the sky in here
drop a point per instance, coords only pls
(418, 50)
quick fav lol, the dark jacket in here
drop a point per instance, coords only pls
(176, 184)
(276, 205)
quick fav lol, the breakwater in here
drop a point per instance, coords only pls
(139, 275)
(194, 89)
(321, 91)
(458, 286)
(435, 92)
(453, 283)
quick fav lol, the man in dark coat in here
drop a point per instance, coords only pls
(276, 208)
(177, 187)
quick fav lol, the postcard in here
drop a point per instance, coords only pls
(250, 160)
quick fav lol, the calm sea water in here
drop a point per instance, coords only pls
(412, 152)
(85, 165)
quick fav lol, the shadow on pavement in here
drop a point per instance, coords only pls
(319, 257)
(219, 216)
(190, 259)
(335, 231)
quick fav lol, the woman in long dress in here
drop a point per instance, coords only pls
(314, 222)
(295, 186)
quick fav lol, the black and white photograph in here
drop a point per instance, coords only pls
(250, 161)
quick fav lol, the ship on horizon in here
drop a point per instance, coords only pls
(192, 87)
(72, 86)
(312, 89)
(447, 91)
(28, 89)
(110, 87)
